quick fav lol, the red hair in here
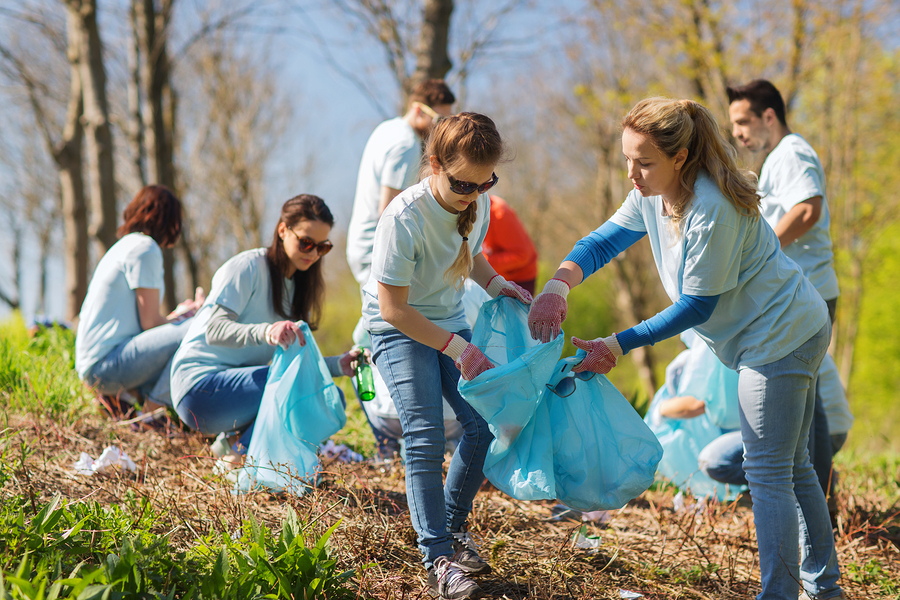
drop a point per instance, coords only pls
(154, 211)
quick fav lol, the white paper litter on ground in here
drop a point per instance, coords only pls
(586, 542)
(111, 458)
(626, 595)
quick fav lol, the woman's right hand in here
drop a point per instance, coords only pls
(470, 361)
(283, 333)
(548, 311)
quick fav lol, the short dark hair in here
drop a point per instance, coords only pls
(154, 211)
(762, 95)
(432, 92)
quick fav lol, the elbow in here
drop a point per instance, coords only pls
(391, 314)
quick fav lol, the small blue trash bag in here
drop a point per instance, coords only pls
(590, 450)
(301, 407)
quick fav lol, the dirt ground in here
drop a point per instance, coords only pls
(705, 551)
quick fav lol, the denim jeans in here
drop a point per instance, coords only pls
(416, 376)
(723, 458)
(777, 404)
(224, 401)
(143, 363)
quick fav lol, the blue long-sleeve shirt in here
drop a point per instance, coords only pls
(608, 241)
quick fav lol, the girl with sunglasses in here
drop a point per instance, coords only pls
(724, 270)
(220, 371)
(427, 242)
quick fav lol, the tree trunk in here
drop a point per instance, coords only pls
(136, 129)
(67, 155)
(100, 159)
(432, 56)
(153, 27)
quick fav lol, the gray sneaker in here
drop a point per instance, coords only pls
(446, 581)
(466, 556)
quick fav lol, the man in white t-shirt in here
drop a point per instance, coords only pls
(390, 164)
(794, 203)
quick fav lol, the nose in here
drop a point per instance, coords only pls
(632, 171)
(736, 132)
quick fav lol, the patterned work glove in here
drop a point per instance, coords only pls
(499, 286)
(548, 311)
(468, 358)
(602, 354)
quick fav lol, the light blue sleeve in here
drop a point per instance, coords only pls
(400, 165)
(143, 266)
(395, 250)
(602, 245)
(712, 253)
(234, 284)
(800, 178)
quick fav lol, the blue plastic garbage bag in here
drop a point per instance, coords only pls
(589, 450)
(707, 379)
(683, 439)
(301, 407)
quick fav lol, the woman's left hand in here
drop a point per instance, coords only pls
(349, 360)
(602, 354)
(499, 286)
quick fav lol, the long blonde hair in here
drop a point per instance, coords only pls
(675, 124)
(471, 139)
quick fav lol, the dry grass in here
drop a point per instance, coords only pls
(647, 546)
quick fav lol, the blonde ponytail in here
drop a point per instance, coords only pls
(677, 124)
(456, 274)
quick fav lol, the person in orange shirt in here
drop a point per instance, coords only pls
(507, 246)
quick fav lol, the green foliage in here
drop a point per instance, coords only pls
(37, 373)
(74, 551)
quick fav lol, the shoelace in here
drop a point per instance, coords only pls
(448, 573)
(468, 540)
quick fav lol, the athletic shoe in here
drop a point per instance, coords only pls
(446, 581)
(843, 596)
(466, 556)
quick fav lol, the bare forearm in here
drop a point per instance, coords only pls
(682, 407)
(414, 324)
(569, 272)
(798, 221)
(482, 271)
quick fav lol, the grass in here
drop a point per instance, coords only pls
(175, 530)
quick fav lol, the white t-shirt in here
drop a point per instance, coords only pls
(415, 243)
(790, 175)
(391, 159)
(242, 285)
(109, 314)
(766, 307)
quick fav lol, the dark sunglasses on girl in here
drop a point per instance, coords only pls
(307, 244)
(464, 188)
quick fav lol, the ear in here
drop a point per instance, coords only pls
(282, 230)
(769, 116)
(680, 157)
(435, 165)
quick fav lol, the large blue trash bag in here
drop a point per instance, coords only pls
(589, 450)
(709, 380)
(683, 439)
(301, 407)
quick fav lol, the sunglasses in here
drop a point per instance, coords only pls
(464, 188)
(307, 244)
(435, 117)
(563, 381)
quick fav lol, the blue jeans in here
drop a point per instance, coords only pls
(224, 401)
(143, 363)
(723, 458)
(417, 377)
(777, 404)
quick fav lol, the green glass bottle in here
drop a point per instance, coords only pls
(365, 384)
